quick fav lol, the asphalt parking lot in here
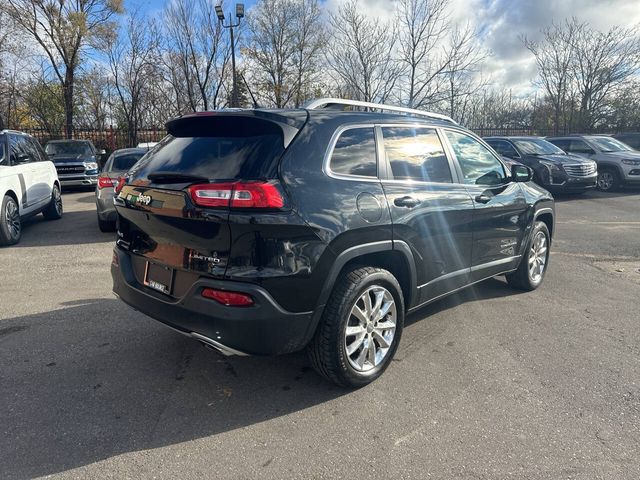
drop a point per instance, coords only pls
(487, 384)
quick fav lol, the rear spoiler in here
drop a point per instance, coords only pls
(289, 123)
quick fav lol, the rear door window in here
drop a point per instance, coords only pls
(580, 146)
(416, 153)
(355, 153)
(237, 148)
(503, 148)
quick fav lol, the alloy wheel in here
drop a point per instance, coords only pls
(12, 219)
(605, 181)
(57, 200)
(370, 328)
(538, 257)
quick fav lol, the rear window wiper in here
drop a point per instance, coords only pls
(174, 177)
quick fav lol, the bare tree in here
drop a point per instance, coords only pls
(554, 58)
(284, 50)
(424, 25)
(62, 29)
(197, 51)
(93, 109)
(464, 58)
(602, 64)
(362, 53)
(132, 57)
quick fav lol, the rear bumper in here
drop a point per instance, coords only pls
(262, 329)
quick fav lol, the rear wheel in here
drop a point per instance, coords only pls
(54, 209)
(608, 180)
(534, 262)
(10, 224)
(360, 329)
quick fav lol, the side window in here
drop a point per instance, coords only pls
(16, 149)
(562, 144)
(503, 148)
(416, 154)
(355, 153)
(38, 150)
(580, 146)
(4, 158)
(479, 166)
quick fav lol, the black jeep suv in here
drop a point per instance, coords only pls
(268, 231)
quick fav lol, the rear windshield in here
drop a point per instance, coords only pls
(122, 163)
(68, 148)
(241, 148)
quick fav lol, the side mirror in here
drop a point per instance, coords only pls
(22, 158)
(521, 173)
(102, 152)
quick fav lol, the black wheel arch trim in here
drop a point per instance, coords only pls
(353, 253)
(611, 166)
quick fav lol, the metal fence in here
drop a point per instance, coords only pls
(109, 139)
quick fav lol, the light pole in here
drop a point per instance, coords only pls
(231, 26)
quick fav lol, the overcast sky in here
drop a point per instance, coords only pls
(502, 23)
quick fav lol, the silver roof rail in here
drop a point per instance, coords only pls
(323, 102)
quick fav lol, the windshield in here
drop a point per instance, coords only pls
(122, 163)
(537, 146)
(68, 148)
(608, 144)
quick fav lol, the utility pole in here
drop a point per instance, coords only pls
(231, 26)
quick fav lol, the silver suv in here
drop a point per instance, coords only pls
(618, 164)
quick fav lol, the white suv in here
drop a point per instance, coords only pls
(28, 184)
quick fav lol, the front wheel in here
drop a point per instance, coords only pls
(608, 180)
(10, 224)
(360, 328)
(535, 260)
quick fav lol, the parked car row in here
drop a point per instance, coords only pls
(574, 163)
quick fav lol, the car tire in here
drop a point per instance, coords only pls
(106, 226)
(54, 209)
(10, 223)
(608, 180)
(535, 261)
(352, 350)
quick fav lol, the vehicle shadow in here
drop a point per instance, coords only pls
(96, 379)
(491, 288)
(596, 194)
(38, 232)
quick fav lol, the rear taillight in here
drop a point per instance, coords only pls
(120, 184)
(237, 195)
(104, 182)
(230, 299)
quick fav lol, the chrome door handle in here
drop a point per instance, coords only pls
(483, 198)
(407, 201)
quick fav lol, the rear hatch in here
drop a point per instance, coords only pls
(174, 205)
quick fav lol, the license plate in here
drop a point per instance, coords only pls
(158, 277)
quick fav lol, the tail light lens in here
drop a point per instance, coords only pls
(230, 299)
(104, 182)
(237, 195)
(120, 184)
